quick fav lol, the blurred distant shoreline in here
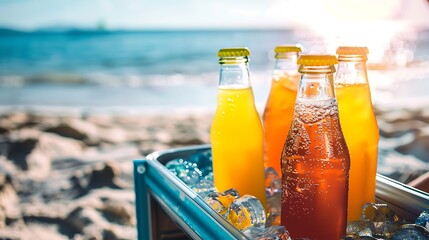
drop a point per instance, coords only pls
(76, 30)
(72, 68)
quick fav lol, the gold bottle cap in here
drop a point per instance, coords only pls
(317, 60)
(234, 52)
(288, 48)
(347, 50)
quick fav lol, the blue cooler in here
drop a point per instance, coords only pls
(167, 208)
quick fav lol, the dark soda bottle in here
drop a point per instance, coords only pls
(315, 160)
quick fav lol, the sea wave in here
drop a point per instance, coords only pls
(114, 80)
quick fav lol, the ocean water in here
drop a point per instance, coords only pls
(164, 70)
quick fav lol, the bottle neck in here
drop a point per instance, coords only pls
(234, 76)
(286, 62)
(316, 86)
(351, 71)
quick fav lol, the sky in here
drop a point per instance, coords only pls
(198, 14)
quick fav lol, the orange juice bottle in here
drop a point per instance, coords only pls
(359, 126)
(279, 108)
(315, 159)
(236, 132)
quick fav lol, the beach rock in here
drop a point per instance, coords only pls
(114, 135)
(16, 119)
(97, 198)
(104, 175)
(139, 135)
(425, 114)
(89, 222)
(152, 146)
(50, 212)
(9, 209)
(77, 129)
(34, 232)
(184, 139)
(33, 151)
(115, 153)
(419, 147)
(119, 210)
(5, 126)
(104, 214)
(96, 176)
(105, 121)
(121, 232)
(399, 129)
(397, 116)
(163, 137)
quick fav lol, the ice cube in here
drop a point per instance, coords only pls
(186, 171)
(203, 161)
(384, 218)
(273, 219)
(209, 176)
(361, 228)
(274, 209)
(410, 231)
(273, 182)
(423, 219)
(350, 236)
(356, 237)
(204, 188)
(220, 202)
(245, 212)
(271, 233)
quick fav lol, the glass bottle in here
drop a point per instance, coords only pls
(359, 126)
(236, 133)
(315, 159)
(279, 108)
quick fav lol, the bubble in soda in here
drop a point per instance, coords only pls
(220, 202)
(423, 219)
(315, 165)
(273, 182)
(271, 233)
(361, 228)
(186, 171)
(385, 219)
(245, 212)
(203, 188)
(410, 231)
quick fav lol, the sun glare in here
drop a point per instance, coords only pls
(360, 23)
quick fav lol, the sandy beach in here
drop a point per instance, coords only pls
(69, 176)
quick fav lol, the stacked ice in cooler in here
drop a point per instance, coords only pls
(247, 214)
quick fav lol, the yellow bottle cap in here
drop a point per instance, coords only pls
(317, 60)
(234, 52)
(288, 48)
(346, 50)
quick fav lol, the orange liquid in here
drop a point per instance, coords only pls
(237, 145)
(315, 164)
(278, 117)
(361, 132)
